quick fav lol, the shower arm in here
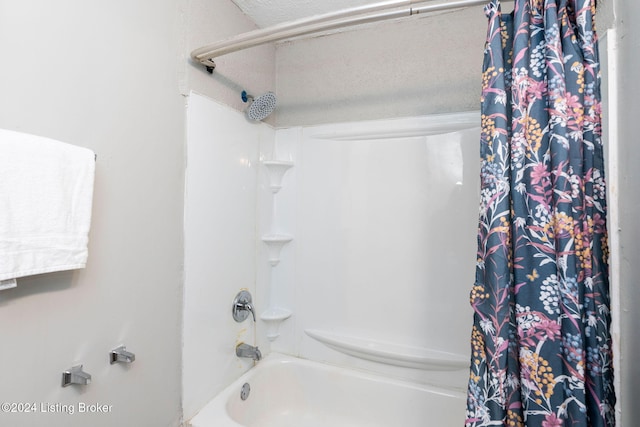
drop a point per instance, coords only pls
(325, 22)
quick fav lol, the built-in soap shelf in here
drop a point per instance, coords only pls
(273, 317)
(392, 354)
(276, 170)
(275, 243)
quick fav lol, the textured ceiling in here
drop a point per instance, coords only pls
(270, 12)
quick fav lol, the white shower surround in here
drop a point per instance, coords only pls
(382, 217)
(220, 242)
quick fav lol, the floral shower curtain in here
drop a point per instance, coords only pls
(541, 347)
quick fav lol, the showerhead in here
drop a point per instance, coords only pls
(260, 107)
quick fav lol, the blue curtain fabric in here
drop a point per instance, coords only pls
(541, 345)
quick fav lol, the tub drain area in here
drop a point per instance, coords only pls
(244, 391)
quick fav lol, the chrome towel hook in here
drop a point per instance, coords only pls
(121, 355)
(75, 375)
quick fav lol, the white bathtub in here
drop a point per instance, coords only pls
(287, 391)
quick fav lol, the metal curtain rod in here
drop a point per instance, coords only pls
(319, 23)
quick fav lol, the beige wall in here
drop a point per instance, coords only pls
(410, 67)
(74, 70)
(112, 77)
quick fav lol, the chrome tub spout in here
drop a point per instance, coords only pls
(248, 351)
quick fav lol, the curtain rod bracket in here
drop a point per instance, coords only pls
(211, 67)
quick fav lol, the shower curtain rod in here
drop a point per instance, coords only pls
(319, 23)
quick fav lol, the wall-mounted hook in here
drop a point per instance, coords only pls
(75, 375)
(121, 355)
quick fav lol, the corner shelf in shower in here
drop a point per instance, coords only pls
(275, 242)
(273, 317)
(392, 354)
(276, 170)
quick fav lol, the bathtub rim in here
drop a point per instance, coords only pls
(218, 404)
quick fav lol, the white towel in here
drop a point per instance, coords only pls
(46, 192)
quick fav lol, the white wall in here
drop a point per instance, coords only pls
(621, 130)
(628, 33)
(73, 71)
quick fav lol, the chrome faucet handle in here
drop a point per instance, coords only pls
(248, 307)
(121, 355)
(242, 306)
(75, 375)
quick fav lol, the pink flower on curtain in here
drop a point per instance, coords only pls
(539, 174)
(551, 421)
